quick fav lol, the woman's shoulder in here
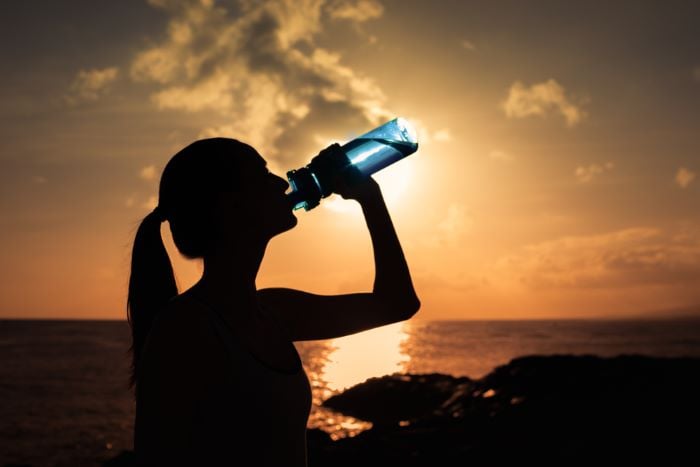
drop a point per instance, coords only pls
(181, 321)
(181, 310)
(180, 354)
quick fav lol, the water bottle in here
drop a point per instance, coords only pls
(353, 161)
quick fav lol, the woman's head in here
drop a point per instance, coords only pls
(214, 190)
(220, 188)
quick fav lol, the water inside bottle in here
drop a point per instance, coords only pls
(372, 154)
(362, 156)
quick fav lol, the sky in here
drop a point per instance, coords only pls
(557, 176)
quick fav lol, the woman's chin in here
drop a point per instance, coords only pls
(290, 223)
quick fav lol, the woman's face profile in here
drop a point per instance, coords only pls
(259, 201)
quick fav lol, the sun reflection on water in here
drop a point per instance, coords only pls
(372, 353)
(351, 360)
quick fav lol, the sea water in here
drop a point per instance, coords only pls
(63, 384)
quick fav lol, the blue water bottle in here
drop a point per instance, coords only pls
(353, 161)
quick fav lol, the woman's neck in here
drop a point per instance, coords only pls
(228, 280)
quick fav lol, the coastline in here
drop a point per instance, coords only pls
(555, 409)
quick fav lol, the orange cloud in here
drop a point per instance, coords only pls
(501, 156)
(148, 173)
(89, 85)
(468, 45)
(541, 99)
(259, 72)
(360, 10)
(451, 228)
(442, 136)
(624, 258)
(585, 174)
(684, 177)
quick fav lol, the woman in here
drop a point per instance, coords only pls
(216, 376)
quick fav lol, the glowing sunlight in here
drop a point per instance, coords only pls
(365, 355)
(394, 182)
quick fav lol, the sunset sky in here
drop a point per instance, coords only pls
(558, 173)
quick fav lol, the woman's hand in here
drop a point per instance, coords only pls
(361, 191)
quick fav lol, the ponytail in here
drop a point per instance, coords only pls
(151, 285)
(189, 186)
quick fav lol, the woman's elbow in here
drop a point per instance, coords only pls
(398, 307)
(406, 309)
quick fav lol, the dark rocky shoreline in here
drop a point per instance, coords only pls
(563, 410)
(552, 410)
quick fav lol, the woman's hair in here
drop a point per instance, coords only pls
(189, 187)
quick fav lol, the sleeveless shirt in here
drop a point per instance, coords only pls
(254, 415)
(275, 403)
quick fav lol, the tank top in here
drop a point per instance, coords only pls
(258, 415)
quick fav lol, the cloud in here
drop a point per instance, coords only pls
(361, 10)
(452, 227)
(134, 200)
(586, 174)
(468, 45)
(541, 99)
(256, 69)
(209, 94)
(89, 85)
(624, 258)
(461, 283)
(148, 173)
(150, 203)
(154, 65)
(442, 136)
(39, 179)
(502, 156)
(684, 177)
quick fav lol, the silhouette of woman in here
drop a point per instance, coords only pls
(216, 377)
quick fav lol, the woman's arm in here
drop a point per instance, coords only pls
(309, 316)
(392, 279)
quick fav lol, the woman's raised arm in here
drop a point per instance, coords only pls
(308, 316)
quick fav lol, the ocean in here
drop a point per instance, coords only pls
(64, 399)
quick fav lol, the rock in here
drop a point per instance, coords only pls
(540, 410)
(123, 459)
(393, 399)
(560, 409)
